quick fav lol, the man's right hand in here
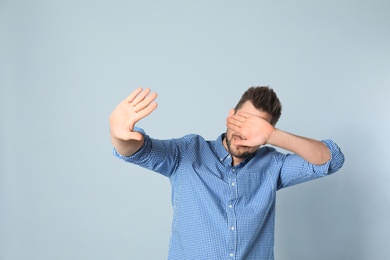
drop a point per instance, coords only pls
(139, 104)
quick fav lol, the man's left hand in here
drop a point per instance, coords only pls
(253, 130)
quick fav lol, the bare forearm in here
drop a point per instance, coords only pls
(311, 150)
(126, 148)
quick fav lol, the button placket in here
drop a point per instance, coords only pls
(231, 214)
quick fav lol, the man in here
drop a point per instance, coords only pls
(224, 191)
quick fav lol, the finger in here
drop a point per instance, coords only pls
(243, 114)
(146, 111)
(241, 142)
(235, 120)
(233, 127)
(133, 94)
(146, 102)
(141, 96)
(231, 112)
(135, 136)
(237, 117)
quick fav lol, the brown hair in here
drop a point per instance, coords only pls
(263, 98)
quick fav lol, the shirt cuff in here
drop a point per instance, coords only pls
(137, 154)
(336, 156)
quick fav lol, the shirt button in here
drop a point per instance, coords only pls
(233, 184)
(234, 170)
(231, 254)
(232, 228)
(230, 206)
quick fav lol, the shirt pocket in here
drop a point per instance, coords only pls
(257, 186)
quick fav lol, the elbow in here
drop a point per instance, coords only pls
(337, 158)
(337, 162)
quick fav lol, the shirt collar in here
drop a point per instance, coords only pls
(221, 152)
(223, 155)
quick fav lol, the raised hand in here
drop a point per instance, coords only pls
(139, 104)
(253, 130)
(256, 131)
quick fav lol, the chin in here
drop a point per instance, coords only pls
(241, 155)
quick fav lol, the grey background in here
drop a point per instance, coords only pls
(66, 64)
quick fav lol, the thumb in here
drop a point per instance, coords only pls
(135, 136)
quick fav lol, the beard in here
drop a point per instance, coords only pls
(236, 154)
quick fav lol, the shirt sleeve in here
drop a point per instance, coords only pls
(162, 156)
(294, 169)
(337, 157)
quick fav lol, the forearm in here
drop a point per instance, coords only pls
(126, 147)
(311, 150)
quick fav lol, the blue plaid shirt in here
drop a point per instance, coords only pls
(222, 211)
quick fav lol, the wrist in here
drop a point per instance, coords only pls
(272, 138)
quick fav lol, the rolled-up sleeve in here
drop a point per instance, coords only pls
(294, 169)
(337, 157)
